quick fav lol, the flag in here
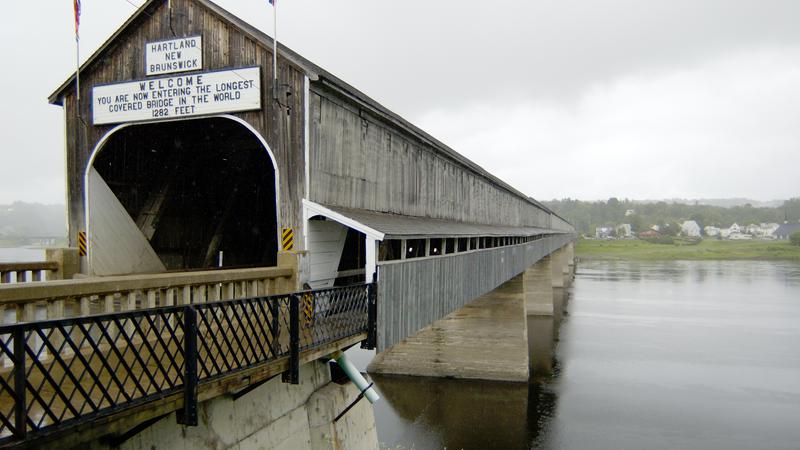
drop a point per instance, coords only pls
(77, 6)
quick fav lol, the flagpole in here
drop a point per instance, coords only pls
(275, 50)
(78, 75)
(77, 10)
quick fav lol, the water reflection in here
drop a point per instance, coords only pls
(453, 414)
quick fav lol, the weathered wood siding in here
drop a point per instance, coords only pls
(415, 293)
(359, 161)
(224, 46)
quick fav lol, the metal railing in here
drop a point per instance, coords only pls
(58, 373)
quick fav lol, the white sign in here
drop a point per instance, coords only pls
(178, 96)
(174, 55)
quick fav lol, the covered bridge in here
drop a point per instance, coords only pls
(184, 153)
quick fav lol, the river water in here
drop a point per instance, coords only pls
(21, 254)
(661, 355)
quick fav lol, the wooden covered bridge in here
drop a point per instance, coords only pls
(226, 226)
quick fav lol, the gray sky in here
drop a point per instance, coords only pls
(586, 99)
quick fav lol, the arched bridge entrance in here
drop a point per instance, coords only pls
(181, 195)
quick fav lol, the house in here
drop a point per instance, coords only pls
(740, 236)
(602, 232)
(784, 231)
(711, 231)
(690, 228)
(753, 229)
(649, 234)
(768, 230)
(624, 230)
(629, 212)
(735, 228)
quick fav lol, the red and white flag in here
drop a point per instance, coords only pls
(77, 6)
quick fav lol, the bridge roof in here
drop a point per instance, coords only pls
(320, 77)
(396, 226)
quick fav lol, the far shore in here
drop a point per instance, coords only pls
(708, 249)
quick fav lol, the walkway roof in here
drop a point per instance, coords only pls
(396, 226)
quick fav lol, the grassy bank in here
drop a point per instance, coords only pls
(706, 250)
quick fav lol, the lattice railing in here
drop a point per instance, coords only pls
(57, 373)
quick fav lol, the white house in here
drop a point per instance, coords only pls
(602, 232)
(624, 230)
(690, 228)
(735, 228)
(711, 231)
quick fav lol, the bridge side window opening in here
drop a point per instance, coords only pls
(415, 248)
(435, 246)
(463, 244)
(201, 191)
(450, 245)
(390, 250)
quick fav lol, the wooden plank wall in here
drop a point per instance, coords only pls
(359, 161)
(415, 293)
(224, 46)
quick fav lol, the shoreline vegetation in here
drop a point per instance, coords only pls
(635, 249)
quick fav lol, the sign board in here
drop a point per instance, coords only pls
(174, 55)
(178, 96)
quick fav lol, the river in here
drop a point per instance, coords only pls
(679, 354)
(21, 254)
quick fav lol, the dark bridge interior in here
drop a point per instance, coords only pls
(196, 188)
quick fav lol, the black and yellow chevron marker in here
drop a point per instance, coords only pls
(287, 239)
(308, 310)
(82, 243)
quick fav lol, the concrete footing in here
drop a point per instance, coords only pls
(274, 415)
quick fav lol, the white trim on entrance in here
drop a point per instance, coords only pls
(311, 209)
(101, 143)
(306, 152)
(372, 236)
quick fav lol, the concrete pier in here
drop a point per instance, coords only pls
(538, 288)
(505, 335)
(486, 339)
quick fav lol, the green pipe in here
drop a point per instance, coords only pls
(356, 377)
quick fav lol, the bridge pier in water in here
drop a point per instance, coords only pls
(504, 335)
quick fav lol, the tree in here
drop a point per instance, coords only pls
(794, 238)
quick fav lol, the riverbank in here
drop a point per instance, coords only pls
(705, 250)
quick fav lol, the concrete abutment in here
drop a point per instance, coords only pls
(274, 415)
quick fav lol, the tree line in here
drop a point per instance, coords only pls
(588, 215)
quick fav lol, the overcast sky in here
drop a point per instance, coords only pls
(561, 98)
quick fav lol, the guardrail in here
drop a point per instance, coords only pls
(58, 373)
(22, 272)
(80, 297)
